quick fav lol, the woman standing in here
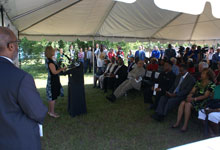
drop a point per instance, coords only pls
(81, 55)
(53, 81)
(201, 92)
(129, 56)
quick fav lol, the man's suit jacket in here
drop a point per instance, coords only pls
(185, 87)
(136, 73)
(21, 109)
(122, 75)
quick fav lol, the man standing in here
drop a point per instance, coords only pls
(89, 59)
(140, 53)
(170, 52)
(20, 103)
(216, 59)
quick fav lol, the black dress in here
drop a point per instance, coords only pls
(53, 82)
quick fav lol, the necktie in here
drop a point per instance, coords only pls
(178, 86)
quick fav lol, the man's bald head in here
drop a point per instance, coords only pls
(6, 35)
(7, 43)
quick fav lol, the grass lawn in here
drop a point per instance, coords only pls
(123, 125)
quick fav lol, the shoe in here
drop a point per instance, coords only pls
(111, 98)
(157, 117)
(183, 130)
(174, 127)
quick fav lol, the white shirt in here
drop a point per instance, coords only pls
(100, 62)
(7, 59)
(185, 75)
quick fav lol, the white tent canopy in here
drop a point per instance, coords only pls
(108, 19)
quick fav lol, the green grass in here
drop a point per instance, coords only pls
(123, 125)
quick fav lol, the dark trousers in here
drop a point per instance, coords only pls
(85, 65)
(108, 83)
(89, 65)
(166, 103)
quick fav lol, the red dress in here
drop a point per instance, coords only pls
(152, 67)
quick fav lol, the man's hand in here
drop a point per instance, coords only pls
(158, 89)
(170, 94)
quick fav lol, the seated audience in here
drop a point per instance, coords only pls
(184, 82)
(133, 82)
(200, 93)
(153, 66)
(164, 81)
(213, 115)
(110, 68)
(175, 68)
(190, 65)
(100, 71)
(161, 65)
(117, 77)
(131, 64)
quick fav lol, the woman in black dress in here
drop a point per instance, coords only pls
(53, 80)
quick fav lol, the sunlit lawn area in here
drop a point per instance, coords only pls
(123, 125)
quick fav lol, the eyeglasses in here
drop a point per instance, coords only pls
(17, 42)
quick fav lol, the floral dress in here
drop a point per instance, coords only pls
(200, 90)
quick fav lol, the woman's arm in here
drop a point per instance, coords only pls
(53, 69)
(206, 95)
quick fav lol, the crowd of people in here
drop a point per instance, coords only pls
(185, 80)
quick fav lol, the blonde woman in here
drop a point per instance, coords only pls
(53, 80)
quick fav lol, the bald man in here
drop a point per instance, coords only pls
(21, 108)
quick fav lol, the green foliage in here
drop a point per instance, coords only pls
(34, 50)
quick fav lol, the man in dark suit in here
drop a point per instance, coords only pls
(183, 84)
(132, 64)
(21, 108)
(164, 81)
(118, 76)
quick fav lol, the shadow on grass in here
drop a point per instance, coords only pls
(125, 124)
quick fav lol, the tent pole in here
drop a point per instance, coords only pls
(93, 60)
(2, 16)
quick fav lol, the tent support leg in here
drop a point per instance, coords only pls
(93, 60)
(2, 15)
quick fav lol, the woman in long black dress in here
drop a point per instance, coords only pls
(53, 80)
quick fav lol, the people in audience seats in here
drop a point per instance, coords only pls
(153, 66)
(133, 82)
(175, 68)
(190, 65)
(131, 64)
(213, 114)
(177, 93)
(196, 99)
(164, 81)
(110, 68)
(118, 76)
(100, 72)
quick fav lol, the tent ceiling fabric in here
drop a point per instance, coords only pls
(107, 19)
